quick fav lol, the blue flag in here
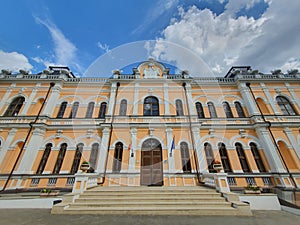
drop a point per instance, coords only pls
(172, 146)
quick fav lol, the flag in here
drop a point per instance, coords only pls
(172, 146)
(129, 147)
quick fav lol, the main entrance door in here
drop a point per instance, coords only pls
(151, 163)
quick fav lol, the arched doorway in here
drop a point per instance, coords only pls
(151, 163)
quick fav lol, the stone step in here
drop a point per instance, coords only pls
(201, 199)
(149, 201)
(146, 194)
(150, 189)
(126, 205)
(213, 210)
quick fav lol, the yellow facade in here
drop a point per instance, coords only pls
(118, 118)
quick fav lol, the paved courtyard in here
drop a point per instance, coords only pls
(44, 217)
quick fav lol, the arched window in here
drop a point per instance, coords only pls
(200, 111)
(212, 110)
(185, 158)
(227, 110)
(285, 106)
(209, 156)
(74, 110)
(242, 157)
(259, 163)
(14, 107)
(118, 154)
(224, 157)
(94, 155)
(239, 110)
(123, 107)
(151, 106)
(291, 161)
(102, 110)
(44, 159)
(60, 158)
(62, 110)
(77, 157)
(179, 109)
(263, 106)
(90, 110)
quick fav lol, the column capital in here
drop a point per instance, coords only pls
(39, 131)
(133, 131)
(12, 131)
(287, 130)
(106, 130)
(169, 130)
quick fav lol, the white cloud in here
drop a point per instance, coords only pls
(222, 41)
(104, 47)
(14, 61)
(64, 50)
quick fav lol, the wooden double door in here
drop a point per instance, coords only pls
(151, 163)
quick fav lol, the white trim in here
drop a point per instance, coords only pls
(139, 146)
(68, 140)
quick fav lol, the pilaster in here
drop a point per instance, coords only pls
(7, 143)
(248, 99)
(112, 98)
(200, 155)
(190, 99)
(293, 140)
(6, 96)
(293, 94)
(53, 99)
(29, 102)
(30, 154)
(136, 99)
(270, 99)
(171, 161)
(166, 99)
(103, 150)
(270, 151)
(132, 158)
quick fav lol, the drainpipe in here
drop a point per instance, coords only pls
(191, 133)
(110, 134)
(27, 137)
(272, 136)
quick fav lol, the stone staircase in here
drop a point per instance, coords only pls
(151, 201)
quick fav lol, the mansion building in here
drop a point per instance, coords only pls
(149, 128)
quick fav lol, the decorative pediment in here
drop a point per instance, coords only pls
(151, 69)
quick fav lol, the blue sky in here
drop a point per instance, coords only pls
(220, 33)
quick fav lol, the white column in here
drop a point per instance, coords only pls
(29, 102)
(31, 151)
(190, 99)
(52, 100)
(270, 151)
(131, 166)
(112, 99)
(296, 99)
(248, 99)
(103, 150)
(293, 140)
(7, 143)
(171, 161)
(136, 99)
(6, 95)
(270, 99)
(201, 158)
(166, 99)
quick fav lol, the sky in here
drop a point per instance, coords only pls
(88, 36)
